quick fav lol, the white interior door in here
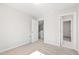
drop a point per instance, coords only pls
(34, 30)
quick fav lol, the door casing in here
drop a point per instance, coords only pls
(72, 44)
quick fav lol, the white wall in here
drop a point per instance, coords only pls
(52, 27)
(15, 28)
(78, 30)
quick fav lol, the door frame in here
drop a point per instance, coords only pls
(61, 30)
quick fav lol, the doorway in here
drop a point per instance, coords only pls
(41, 30)
(66, 31)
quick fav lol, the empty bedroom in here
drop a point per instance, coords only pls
(39, 28)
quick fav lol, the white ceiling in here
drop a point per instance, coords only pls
(39, 10)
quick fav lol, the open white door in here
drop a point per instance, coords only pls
(34, 30)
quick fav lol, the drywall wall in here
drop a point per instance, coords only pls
(15, 28)
(78, 30)
(52, 28)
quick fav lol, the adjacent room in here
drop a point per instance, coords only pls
(39, 29)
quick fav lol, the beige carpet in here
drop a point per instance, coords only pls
(41, 47)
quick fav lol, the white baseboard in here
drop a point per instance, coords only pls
(15, 46)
